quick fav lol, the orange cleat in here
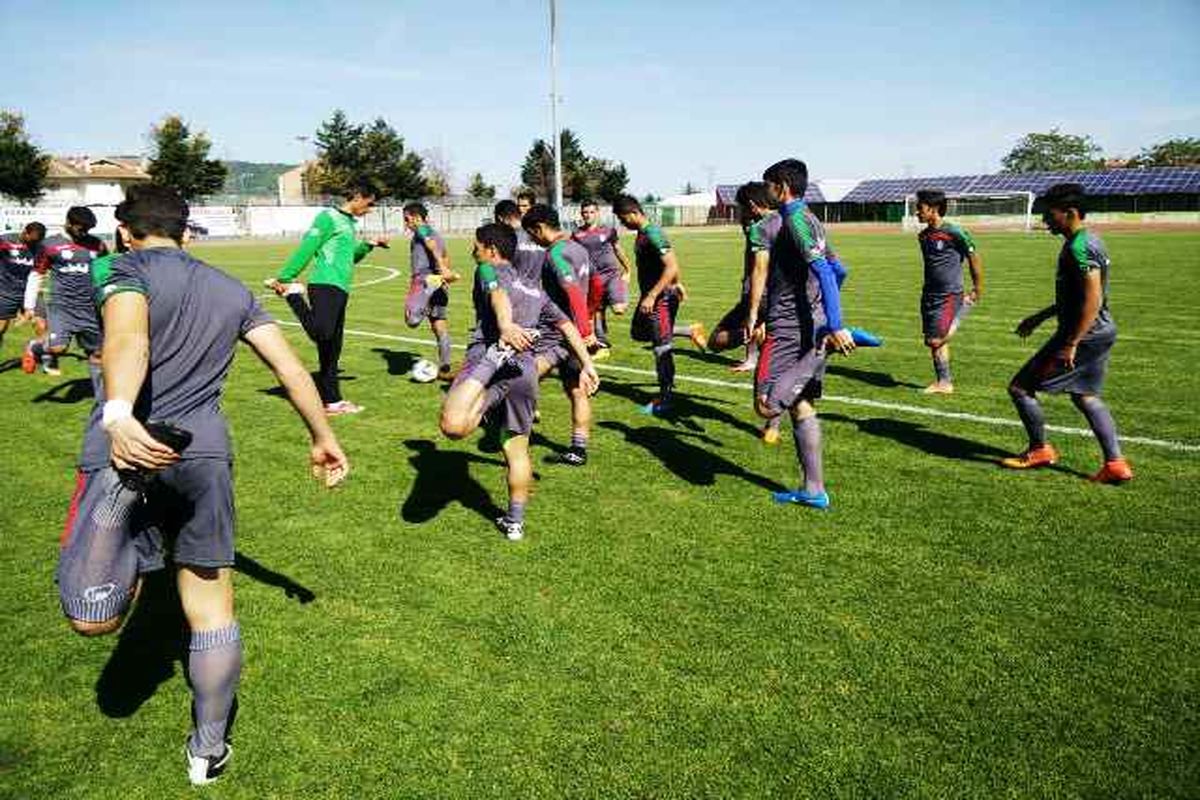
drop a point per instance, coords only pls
(1041, 456)
(698, 336)
(28, 362)
(1114, 472)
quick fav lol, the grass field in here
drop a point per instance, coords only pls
(948, 630)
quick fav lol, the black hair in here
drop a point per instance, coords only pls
(37, 229)
(1062, 196)
(527, 194)
(540, 214)
(361, 187)
(153, 210)
(505, 209)
(417, 210)
(81, 217)
(626, 204)
(753, 192)
(934, 198)
(792, 172)
(591, 201)
(499, 236)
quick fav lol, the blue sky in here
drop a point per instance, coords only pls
(678, 91)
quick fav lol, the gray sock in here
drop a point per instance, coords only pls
(682, 330)
(214, 666)
(1030, 411)
(941, 367)
(97, 375)
(516, 511)
(807, 435)
(1101, 421)
(443, 344)
(579, 440)
(664, 365)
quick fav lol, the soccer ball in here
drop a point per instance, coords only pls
(424, 371)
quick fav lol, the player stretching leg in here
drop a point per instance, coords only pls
(498, 369)
(171, 324)
(334, 248)
(67, 257)
(658, 281)
(803, 321)
(431, 274)
(1075, 359)
(610, 272)
(943, 305)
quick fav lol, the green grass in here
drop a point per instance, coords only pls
(949, 630)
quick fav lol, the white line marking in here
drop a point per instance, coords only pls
(962, 416)
(392, 274)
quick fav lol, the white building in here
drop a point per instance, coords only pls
(84, 181)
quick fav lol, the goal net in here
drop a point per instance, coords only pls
(1008, 210)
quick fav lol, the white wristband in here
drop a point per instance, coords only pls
(115, 411)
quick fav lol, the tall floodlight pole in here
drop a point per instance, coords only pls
(556, 136)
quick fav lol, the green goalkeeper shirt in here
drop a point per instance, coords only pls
(332, 243)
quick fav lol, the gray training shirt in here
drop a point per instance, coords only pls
(197, 316)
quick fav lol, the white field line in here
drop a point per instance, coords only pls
(392, 274)
(743, 386)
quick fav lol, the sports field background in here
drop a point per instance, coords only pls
(948, 630)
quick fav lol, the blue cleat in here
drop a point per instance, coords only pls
(865, 338)
(818, 500)
(656, 408)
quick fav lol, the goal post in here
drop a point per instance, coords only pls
(1006, 210)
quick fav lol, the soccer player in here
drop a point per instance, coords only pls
(658, 281)
(1075, 359)
(71, 311)
(499, 368)
(333, 245)
(17, 254)
(172, 324)
(431, 274)
(803, 321)
(944, 247)
(610, 272)
(525, 201)
(566, 278)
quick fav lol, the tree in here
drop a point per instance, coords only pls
(688, 188)
(181, 160)
(583, 176)
(348, 153)
(479, 189)
(1051, 152)
(651, 199)
(1171, 153)
(23, 167)
(438, 173)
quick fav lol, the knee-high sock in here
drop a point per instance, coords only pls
(682, 330)
(941, 365)
(443, 345)
(807, 435)
(600, 327)
(1102, 424)
(664, 365)
(214, 666)
(97, 375)
(1030, 411)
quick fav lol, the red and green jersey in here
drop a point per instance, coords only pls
(943, 249)
(567, 280)
(1082, 253)
(650, 251)
(332, 245)
(425, 242)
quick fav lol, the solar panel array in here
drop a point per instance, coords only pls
(1151, 180)
(727, 194)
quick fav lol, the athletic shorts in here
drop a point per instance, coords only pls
(941, 313)
(513, 388)
(112, 534)
(424, 302)
(11, 304)
(1046, 372)
(551, 347)
(66, 324)
(657, 327)
(789, 370)
(607, 289)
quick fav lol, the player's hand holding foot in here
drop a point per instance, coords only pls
(329, 463)
(515, 337)
(972, 298)
(593, 344)
(434, 281)
(589, 379)
(683, 293)
(134, 448)
(841, 341)
(646, 305)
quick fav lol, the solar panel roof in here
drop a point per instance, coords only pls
(1150, 180)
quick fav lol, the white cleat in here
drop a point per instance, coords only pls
(203, 770)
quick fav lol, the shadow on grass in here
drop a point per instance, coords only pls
(155, 637)
(883, 380)
(10, 364)
(694, 463)
(280, 392)
(709, 357)
(398, 362)
(687, 408)
(75, 391)
(443, 477)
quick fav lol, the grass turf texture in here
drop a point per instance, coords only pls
(949, 629)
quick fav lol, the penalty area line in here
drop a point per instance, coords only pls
(862, 402)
